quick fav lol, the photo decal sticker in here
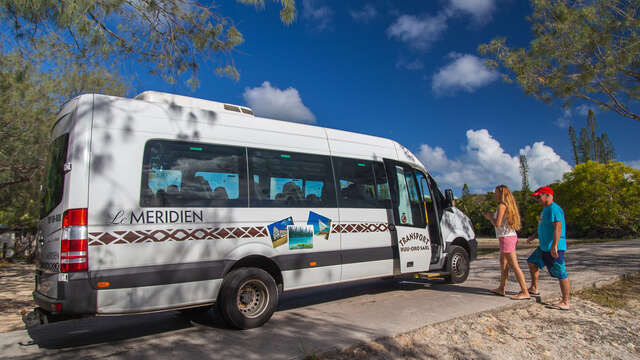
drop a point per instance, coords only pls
(300, 237)
(279, 232)
(321, 225)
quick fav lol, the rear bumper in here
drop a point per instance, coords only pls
(75, 297)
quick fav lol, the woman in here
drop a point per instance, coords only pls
(506, 221)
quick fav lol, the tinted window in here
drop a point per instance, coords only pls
(361, 184)
(408, 205)
(54, 185)
(287, 179)
(182, 174)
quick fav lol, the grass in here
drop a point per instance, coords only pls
(616, 295)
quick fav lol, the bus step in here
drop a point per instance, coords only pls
(431, 275)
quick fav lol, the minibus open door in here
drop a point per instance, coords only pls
(409, 230)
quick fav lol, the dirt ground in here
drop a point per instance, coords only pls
(606, 329)
(603, 324)
(17, 282)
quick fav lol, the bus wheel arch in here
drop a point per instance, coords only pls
(260, 262)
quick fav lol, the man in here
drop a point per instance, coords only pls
(553, 243)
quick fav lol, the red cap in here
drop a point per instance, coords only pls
(543, 190)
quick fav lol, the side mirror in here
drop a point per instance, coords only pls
(448, 195)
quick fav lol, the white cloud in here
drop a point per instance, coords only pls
(466, 72)
(634, 164)
(480, 10)
(484, 164)
(365, 15)
(583, 110)
(321, 15)
(271, 102)
(418, 32)
(564, 121)
(410, 65)
(568, 114)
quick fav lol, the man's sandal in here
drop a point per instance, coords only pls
(559, 307)
(520, 296)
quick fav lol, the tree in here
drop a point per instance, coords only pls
(601, 200)
(170, 37)
(591, 146)
(585, 146)
(606, 151)
(583, 50)
(53, 50)
(574, 146)
(524, 173)
(28, 102)
(465, 190)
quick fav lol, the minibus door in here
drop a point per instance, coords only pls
(409, 231)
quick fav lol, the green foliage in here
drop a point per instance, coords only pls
(53, 50)
(474, 205)
(465, 190)
(529, 212)
(582, 50)
(524, 173)
(600, 200)
(574, 144)
(29, 100)
(591, 147)
(171, 37)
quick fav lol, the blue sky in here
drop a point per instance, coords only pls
(410, 71)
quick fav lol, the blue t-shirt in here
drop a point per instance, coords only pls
(548, 216)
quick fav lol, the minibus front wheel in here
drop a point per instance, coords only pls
(248, 298)
(457, 265)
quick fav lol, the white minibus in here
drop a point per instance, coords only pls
(164, 202)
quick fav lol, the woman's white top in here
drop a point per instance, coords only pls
(503, 230)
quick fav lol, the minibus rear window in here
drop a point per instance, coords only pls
(54, 185)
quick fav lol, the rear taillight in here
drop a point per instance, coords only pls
(74, 245)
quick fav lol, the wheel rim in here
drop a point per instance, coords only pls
(458, 265)
(252, 298)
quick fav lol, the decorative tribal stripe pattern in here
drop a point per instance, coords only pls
(161, 235)
(49, 267)
(358, 228)
(143, 236)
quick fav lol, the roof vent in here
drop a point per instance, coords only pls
(171, 99)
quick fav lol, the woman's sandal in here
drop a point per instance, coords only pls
(496, 292)
(536, 293)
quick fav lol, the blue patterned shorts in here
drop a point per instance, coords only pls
(555, 266)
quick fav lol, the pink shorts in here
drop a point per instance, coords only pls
(508, 243)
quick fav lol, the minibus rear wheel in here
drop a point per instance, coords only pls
(457, 265)
(248, 298)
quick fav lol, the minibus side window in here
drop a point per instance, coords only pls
(183, 174)
(54, 185)
(289, 179)
(360, 185)
(408, 204)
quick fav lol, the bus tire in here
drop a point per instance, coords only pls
(457, 265)
(248, 298)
